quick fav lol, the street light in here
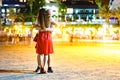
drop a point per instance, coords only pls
(0, 13)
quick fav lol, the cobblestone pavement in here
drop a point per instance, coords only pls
(70, 61)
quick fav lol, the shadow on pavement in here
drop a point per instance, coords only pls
(17, 71)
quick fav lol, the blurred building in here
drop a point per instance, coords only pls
(15, 4)
(76, 9)
(53, 6)
(80, 9)
(115, 4)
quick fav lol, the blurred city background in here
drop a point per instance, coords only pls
(77, 19)
(92, 25)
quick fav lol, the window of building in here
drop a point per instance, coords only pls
(76, 11)
(81, 10)
(70, 10)
(3, 14)
(91, 10)
(21, 0)
(25, 1)
(86, 11)
(7, 10)
(3, 10)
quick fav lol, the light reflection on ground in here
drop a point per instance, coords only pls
(71, 61)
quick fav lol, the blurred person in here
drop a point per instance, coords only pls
(13, 35)
(30, 36)
(17, 38)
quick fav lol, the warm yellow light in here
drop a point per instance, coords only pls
(16, 27)
(20, 0)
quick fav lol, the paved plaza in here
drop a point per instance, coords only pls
(70, 61)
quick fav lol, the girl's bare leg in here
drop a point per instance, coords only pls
(45, 60)
(42, 71)
(39, 60)
(49, 64)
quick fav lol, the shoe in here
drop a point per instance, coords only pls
(50, 70)
(38, 68)
(42, 71)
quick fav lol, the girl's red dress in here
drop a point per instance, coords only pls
(44, 43)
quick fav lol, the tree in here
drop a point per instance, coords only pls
(15, 17)
(62, 9)
(106, 13)
(104, 9)
(36, 6)
(20, 17)
(31, 5)
(32, 9)
(116, 13)
(12, 15)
